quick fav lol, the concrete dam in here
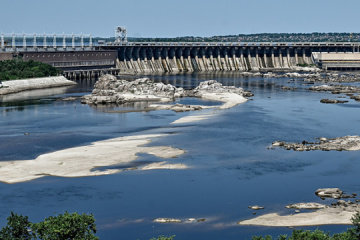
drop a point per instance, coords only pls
(190, 57)
(81, 60)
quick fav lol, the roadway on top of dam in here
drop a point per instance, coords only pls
(235, 44)
(66, 46)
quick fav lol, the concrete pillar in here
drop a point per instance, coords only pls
(296, 56)
(34, 42)
(257, 57)
(265, 58)
(82, 41)
(303, 55)
(64, 41)
(273, 57)
(288, 57)
(73, 42)
(24, 41)
(45, 45)
(2, 42)
(13, 42)
(281, 58)
(54, 41)
(242, 61)
(90, 42)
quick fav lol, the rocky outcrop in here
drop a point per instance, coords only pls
(167, 220)
(335, 193)
(347, 143)
(176, 220)
(333, 77)
(329, 193)
(15, 86)
(311, 205)
(336, 88)
(110, 90)
(326, 100)
(256, 207)
(213, 86)
(355, 97)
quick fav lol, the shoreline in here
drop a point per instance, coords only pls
(15, 86)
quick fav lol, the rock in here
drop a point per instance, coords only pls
(201, 220)
(288, 88)
(110, 90)
(336, 89)
(70, 99)
(278, 143)
(355, 97)
(329, 193)
(256, 207)
(311, 205)
(167, 220)
(325, 100)
(347, 143)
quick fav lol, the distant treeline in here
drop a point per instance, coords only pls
(17, 68)
(262, 37)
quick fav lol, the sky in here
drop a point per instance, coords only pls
(176, 18)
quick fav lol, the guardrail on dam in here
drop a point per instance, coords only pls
(187, 57)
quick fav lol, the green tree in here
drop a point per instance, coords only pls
(67, 226)
(18, 228)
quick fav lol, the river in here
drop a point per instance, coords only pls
(231, 166)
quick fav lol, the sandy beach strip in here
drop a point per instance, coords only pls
(15, 86)
(326, 216)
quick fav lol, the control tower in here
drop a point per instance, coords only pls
(120, 34)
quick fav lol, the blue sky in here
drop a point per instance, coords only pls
(172, 18)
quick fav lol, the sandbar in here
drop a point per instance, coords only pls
(326, 216)
(82, 161)
(15, 86)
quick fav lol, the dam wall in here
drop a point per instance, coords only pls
(203, 59)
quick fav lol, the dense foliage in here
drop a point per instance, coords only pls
(19, 69)
(64, 226)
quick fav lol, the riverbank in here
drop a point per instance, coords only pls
(16, 86)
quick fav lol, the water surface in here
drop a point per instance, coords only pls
(231, 166)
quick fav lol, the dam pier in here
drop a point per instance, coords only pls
(80, 57)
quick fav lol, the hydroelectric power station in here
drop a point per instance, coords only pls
(79, 57)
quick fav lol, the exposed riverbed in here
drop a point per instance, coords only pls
(230, 165)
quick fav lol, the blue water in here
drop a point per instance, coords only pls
(231, 166)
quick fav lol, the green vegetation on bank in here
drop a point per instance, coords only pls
(17, 68)
(63, 226)
(78, 227)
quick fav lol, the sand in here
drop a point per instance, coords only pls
(34, 83)
(80, 161)
(326, 216)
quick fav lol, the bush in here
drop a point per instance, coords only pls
(64, 226)
(19, 69)
(18, 227)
